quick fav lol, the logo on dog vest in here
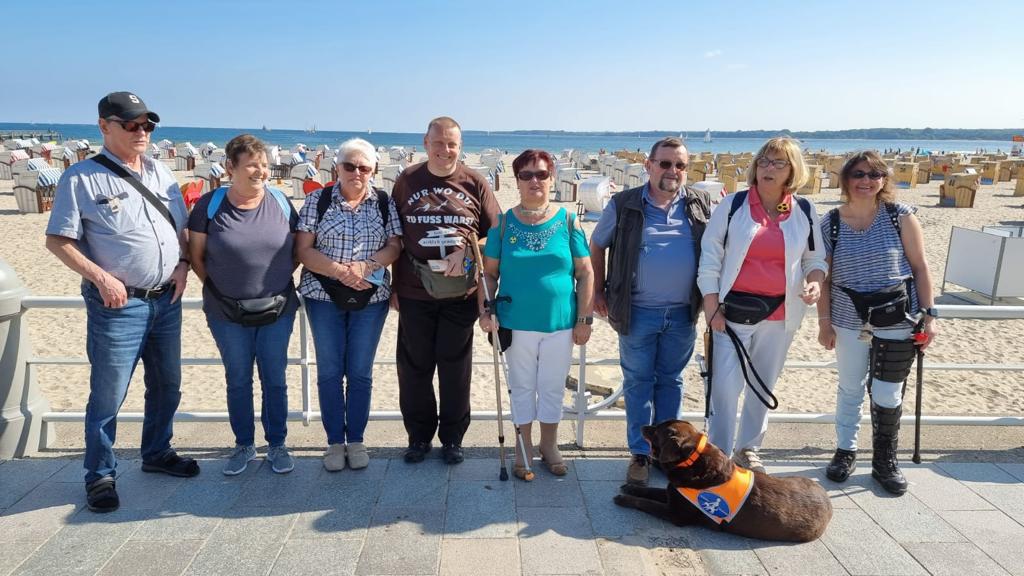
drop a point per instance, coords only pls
(721, 503)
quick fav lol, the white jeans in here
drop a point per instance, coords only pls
(538, 363)
(767, 343)
(853, 360)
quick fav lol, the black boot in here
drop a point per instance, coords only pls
(885, 428)
(843, 463)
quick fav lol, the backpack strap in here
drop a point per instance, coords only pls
(324, 202)
(805, 205)
(382, 205)
(833, 227)
(894, 216)
(220, 193)
(214, 205)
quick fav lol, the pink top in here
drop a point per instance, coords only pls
(764, 269)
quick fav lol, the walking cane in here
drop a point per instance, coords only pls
(503, 474)
(917, 408)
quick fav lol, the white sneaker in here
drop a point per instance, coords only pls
(748, 458)
(334, 458)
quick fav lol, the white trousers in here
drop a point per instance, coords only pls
(767, 342)
(853, 362)
(538, 363)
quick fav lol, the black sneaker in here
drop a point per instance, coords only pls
(101, 495)
(417, 451)
(452, 454)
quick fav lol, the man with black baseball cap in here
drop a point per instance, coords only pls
(118, 220)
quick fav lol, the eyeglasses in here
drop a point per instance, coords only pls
(350, 167)
(765, 162)
(132, 126)
(666, 164)
(526, 175)
(874, 175)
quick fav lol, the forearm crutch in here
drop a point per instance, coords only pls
(917, 407)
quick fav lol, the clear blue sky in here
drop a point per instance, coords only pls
(518, 64)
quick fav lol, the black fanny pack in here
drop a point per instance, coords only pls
(344, 297)
(747, 308)
(252, 312)
(881, 308)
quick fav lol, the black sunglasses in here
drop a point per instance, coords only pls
(858, 174)
(132, 126)
(666, 164)
(526, 175)
(350, 167)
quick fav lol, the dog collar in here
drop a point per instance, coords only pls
(702, 443)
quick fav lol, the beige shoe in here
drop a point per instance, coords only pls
(749, 459)
(639, 470)
(334, 458)
(357, 456)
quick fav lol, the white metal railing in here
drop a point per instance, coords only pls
(581, 409)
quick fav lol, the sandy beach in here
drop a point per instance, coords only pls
(61, 333)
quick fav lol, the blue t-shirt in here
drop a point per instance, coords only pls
(536, 271)
(666, 271)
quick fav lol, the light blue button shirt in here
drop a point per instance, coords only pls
(115, 226)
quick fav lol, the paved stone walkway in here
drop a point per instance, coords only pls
(396, 518)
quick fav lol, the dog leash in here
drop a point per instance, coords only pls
(744, 359)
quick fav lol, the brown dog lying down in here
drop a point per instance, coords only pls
(792, 509)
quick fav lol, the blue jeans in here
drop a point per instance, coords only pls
(116, 338)
(346, 345)
(652, 356)
(267, 346)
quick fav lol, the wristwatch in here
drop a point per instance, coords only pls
(588, 320)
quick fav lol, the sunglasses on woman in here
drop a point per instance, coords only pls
(132, 126)
(527, 175)
(351, 167)
(858, 174)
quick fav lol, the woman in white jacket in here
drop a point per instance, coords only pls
(762, 263)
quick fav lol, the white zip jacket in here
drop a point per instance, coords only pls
(719, 266)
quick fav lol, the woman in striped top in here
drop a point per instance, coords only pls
(873, 245)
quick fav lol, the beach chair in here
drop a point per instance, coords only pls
(813, 185)
(905, 174)
(12, 162)
(34, 189)
(299, 174)
(698, 170)
(209, 172)
(388, 173)
(618, 172)
(959, 189)
(605, 163)
(493, 160)
(990, 171)
(594, 194)
(565, 183)
(484, 171)
(634, 175)
(185, 156)
(1018, 190)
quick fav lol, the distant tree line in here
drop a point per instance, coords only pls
(857, 134)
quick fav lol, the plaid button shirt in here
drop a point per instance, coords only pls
(347, 233)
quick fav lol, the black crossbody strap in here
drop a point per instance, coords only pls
(109, 164)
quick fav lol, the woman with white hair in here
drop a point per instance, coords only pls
(348, 234)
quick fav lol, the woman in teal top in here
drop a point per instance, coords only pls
(544, 296)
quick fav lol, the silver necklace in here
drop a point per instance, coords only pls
(536, 213)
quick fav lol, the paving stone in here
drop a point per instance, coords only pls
(790, 559)
(724, 553)
(1017, 470)
(482, 469)
(374, 471)
(12, 554)
(212, 470)
(905, 518)
(977, 472)
(559, 542)
(337, 510)
(41, 513)
(423, 485)
(151, 558)
(289, 491)
(610, 520)
(601, 469)
(939, 491)
(146, 491)
(549, 491)
(402, 541)
(654, 553)
(245, 542)
(467, 556)
(480, 509)
(19, 478)
(72, 471)
(335, 557)
(862, 547)
(83, 548)
(815, 472)
(954, 559)
(1007, 497)
(995, 533)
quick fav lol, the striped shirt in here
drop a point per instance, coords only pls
(866, 261)
(347, 233)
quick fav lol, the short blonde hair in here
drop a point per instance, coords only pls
(791, 148)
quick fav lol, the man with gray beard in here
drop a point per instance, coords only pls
(649, 294)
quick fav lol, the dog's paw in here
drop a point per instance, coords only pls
(621, 500)
(630, 489)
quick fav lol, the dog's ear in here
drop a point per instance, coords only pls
(649, 433)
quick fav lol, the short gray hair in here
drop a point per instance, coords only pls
(356, 145)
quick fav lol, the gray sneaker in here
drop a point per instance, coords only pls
(280, 460)
(239, 460)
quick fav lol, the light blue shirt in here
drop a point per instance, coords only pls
(116, 228)
(667, 268)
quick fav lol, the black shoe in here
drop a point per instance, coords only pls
(101, 495)
(843, 463)
(452, 454)
(173, 465)
(417, 451)
(885, 424)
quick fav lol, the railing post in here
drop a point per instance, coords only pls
(22, 430)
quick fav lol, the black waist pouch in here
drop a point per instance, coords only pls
(344, 297)
(747, 308)
(881, 308)
(253, 312)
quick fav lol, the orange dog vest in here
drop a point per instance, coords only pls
(721, 503)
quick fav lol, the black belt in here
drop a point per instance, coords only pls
(148, 293)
